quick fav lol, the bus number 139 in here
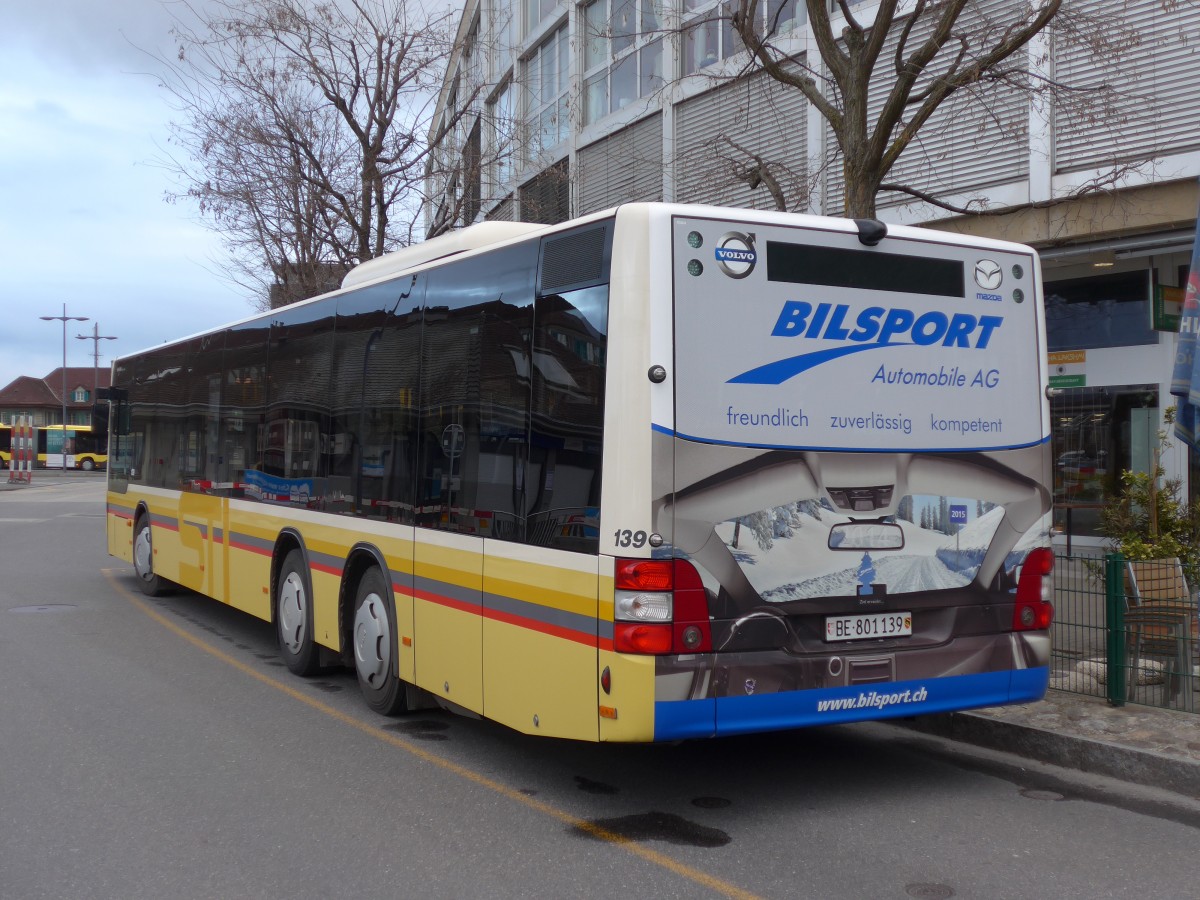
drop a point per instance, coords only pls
(627, 538)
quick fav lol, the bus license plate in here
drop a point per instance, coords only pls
(875, 625)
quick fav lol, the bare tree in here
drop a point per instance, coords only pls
(878, 83)
(303, 127)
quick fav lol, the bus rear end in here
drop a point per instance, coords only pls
(849, 463)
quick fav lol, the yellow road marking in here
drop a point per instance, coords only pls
(596, 831)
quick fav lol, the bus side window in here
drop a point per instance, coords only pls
(567, 421)
(243, 402)
(369, 447)
(475, 394)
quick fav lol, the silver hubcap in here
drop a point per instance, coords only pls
(141, 554)
(372, 641)
(292, 605)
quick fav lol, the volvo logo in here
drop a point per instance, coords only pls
(735, 254)
(988, 274)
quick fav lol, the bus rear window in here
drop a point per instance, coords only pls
(863, 270)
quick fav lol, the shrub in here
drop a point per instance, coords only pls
(1150, 519)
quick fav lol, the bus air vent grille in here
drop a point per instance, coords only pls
(573, 261)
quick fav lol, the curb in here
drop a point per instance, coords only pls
(1138, 766)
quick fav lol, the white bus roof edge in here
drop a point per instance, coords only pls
(470, 238)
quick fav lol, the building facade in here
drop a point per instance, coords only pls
(41, 398)
(554, 109)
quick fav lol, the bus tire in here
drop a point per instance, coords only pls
(374, 644)
(143, 559)
(87, 465)
(294, 616)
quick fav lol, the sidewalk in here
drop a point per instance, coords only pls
(1139, 744)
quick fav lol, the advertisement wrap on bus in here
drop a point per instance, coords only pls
(661, 472)
(859, 453)
(75, 447)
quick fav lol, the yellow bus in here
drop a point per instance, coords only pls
(660, 472)
(5, 445)
(83, 448)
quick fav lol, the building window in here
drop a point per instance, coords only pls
(547, 75)
(622, 54)
(473, 58)
(1097, 433)
(536, 12)
(500, 139)
(503, 37)
(80, 395)
(546, 197)
(709, 37)
(1100, 311)
(472, 175)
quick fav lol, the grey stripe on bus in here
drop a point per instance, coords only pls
(547, 615)
(327, 560)
(469, 596)
(250, 540)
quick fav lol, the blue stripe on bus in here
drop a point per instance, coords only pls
(680, 719)
(675, 720)
(670, 432)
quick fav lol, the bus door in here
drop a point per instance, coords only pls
(203, 514)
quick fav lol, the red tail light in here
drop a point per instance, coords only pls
(644, 574)
(648, 640)
(1034, 611)
(661, 607)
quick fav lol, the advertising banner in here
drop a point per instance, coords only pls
(1185, 380)
(807, 339)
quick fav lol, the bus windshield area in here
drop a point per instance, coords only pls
(805, 549)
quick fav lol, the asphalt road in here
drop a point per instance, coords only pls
(158, 749)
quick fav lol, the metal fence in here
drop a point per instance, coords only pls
(1124, 631)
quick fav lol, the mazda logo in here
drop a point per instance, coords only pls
(988, 274)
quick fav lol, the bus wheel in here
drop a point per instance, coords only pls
(87, 465)
(294, 616)
(375, 651)
(143, 560)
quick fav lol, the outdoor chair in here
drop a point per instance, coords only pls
(1160, 623)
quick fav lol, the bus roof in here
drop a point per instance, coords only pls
(483, 235)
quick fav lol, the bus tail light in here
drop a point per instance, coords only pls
(1035, 591)
(660, 606)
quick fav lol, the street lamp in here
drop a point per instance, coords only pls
(64, 318)
(95, 337)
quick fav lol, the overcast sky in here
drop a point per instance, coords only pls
(82, 215)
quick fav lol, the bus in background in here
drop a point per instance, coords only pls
(5, 446)
(661, 472)
(84, 448)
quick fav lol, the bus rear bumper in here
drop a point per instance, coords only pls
(722, 716)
